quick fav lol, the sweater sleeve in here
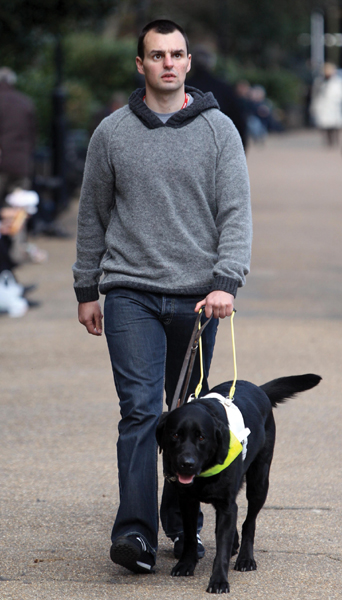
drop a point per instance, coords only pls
(96, 202)
(234, 218)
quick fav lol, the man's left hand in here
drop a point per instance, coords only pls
(220, 304)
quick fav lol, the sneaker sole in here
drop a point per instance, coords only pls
(126, 554)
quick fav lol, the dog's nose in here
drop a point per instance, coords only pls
(187, 462)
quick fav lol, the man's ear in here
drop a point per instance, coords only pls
(160, 430)
(223, 439)
(189, 65)
(140, 66)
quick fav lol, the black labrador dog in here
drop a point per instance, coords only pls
(204, 457)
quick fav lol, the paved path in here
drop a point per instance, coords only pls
(59, 413)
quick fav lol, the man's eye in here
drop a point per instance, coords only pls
(157, 56)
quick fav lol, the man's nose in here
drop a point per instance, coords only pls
(168, 61)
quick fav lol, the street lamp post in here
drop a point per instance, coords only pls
(317, 42)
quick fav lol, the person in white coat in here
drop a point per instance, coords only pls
(326, 104)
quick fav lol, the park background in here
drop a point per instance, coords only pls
(71, 57)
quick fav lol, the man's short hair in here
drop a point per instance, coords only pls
(163, 26)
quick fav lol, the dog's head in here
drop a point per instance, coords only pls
(192, 440)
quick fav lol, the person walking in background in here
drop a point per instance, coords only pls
(326, 104)
(165, 220)
(17, 136)
(202, 78)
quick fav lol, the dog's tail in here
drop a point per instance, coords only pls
(283, 388)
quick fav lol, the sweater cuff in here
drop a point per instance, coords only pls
(88, 294)
(225, 284)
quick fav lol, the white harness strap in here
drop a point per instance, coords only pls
(234, 416)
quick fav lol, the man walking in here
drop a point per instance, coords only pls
(165, 220)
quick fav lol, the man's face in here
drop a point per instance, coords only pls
(165, 62)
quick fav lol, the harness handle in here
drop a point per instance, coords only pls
(188, 363)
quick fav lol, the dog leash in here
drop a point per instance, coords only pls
(232, 389)
(199, 386)
(189, 359)
(188, 363)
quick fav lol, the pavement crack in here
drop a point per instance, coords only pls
(47, 560)
(330, 556)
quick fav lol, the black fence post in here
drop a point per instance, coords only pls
(59, 192)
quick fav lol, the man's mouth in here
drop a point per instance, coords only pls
(185, 479)
(168, 76)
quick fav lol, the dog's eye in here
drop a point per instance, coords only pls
(175, 436)
(200, 437)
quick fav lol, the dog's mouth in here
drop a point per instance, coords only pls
(185, 479)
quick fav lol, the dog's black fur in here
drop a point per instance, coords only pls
(195, 437)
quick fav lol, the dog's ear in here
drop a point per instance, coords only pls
(160, 430)
(223, 438)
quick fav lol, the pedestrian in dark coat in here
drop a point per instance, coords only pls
(17, 135)
(203, 79)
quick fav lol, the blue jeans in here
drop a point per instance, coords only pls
(147, 336)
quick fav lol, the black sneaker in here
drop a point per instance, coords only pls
(179, 543)
(131, 552)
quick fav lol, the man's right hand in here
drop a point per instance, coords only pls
(90, 315)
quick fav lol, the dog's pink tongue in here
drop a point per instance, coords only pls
(185, 479)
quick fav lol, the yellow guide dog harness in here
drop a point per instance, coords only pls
(238, 433)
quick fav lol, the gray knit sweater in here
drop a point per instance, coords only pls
(164, 207)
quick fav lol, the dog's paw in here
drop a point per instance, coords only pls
(218, 587)
(183, 569)
(245, 564)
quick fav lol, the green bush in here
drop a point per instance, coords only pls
(103, 64)
(80, 104)
(94, 68)
(37, 81)
(283, 87)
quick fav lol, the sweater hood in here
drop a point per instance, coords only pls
(202, 102)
